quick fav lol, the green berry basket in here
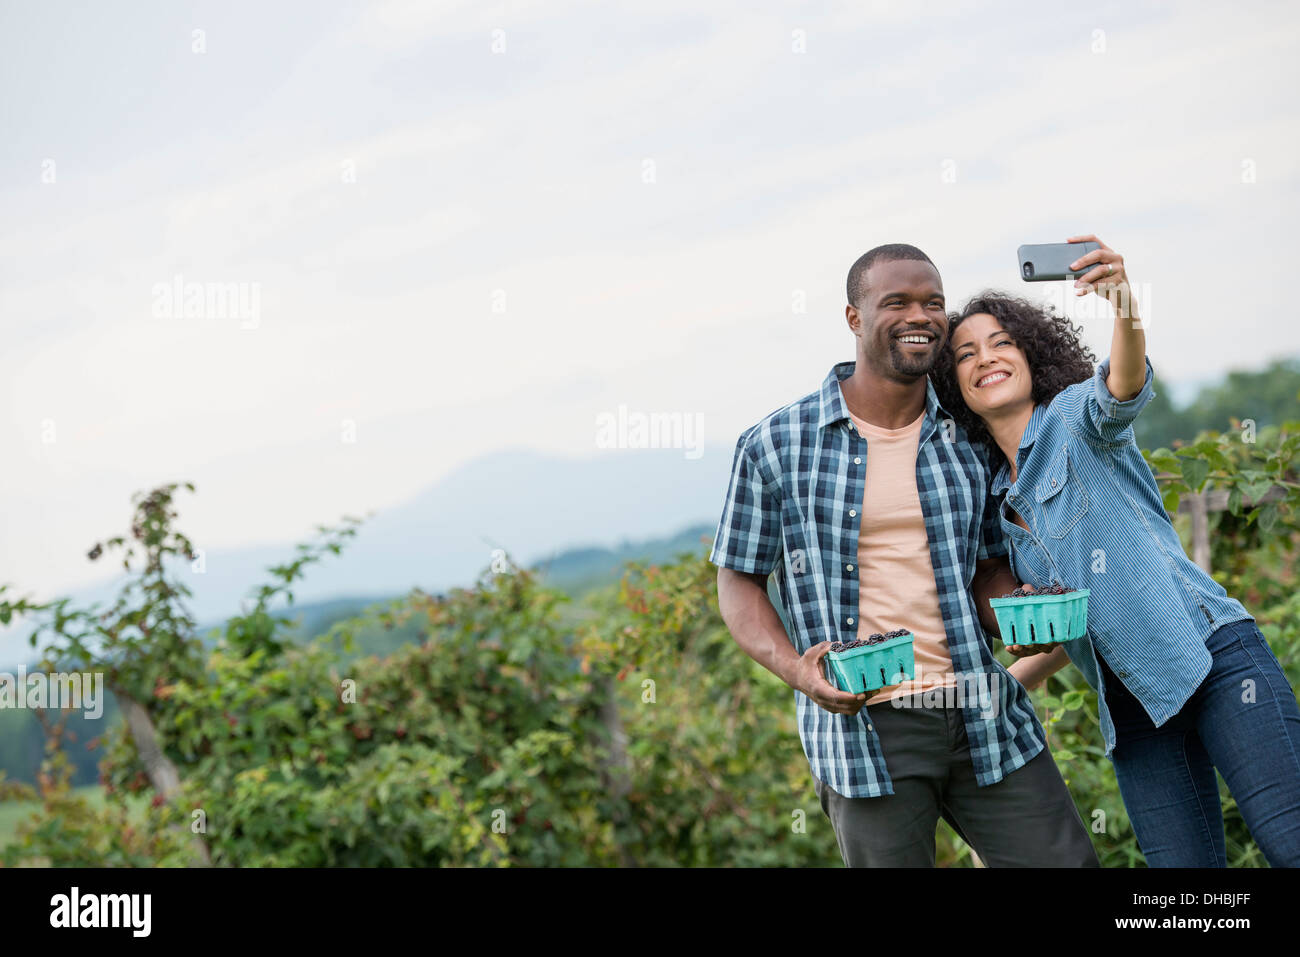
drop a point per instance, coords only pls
(871, 667)
(1040, 619)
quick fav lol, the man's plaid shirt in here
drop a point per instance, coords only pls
(792, 507)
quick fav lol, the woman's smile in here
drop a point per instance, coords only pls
(992, 378)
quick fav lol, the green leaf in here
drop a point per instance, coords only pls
(1170, 499)
(1257, 490)
(1063, 754)
(1165, 460)
(1268, 517)
(1234, 501)
(1195, 472)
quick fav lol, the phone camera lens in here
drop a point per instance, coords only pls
(1027, 270)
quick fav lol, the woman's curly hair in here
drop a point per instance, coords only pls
(1056, 356)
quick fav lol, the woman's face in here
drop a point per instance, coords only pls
(991, 371)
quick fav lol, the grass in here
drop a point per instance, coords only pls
(12, 813)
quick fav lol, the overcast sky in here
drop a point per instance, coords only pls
(460, 227)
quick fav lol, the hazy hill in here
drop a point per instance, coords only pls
(528, 503)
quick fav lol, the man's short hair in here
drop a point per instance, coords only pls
(891, 252)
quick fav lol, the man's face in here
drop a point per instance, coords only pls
(899, 318)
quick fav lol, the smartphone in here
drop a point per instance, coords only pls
(1049, 261)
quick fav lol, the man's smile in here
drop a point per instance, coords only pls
(917, 338)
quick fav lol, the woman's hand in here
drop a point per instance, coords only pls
(1108, 278)
(1106, 275)
(1032, 672)
(1025, 651)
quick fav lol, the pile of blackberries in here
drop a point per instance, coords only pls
(1024, 591)
(873, 639)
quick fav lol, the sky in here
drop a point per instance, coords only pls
(407, 235)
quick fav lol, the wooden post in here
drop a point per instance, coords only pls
(1199, 505)
(162, 774)
(1200, 530)
(616, 768)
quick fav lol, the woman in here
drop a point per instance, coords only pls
(1186, 683)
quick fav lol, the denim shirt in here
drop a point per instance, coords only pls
(1097, 521)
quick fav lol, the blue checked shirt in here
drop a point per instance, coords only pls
(793, 508)
(1098, 523)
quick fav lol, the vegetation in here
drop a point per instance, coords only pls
(1268, 396)
(510, 736)
(516, 727)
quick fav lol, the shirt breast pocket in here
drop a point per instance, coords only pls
(1061, 494)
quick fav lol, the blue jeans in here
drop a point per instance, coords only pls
(1242, 720)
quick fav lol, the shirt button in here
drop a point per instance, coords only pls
(853, 513)
(850, 621)
(849, 567)
(857, 460)
(1053, 483)
(870, 728)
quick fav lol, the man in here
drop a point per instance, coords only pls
(899, 538)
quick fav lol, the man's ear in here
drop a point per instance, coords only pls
(854, 318)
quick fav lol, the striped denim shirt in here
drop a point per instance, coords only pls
(792, 508)
(1097, 522)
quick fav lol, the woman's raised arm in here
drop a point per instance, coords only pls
(1128, 346)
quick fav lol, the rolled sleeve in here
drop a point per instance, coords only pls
(1100, 415)
(1113, 408)
(749, 533)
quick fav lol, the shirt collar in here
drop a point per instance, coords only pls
(1002, 481)
(834, 410)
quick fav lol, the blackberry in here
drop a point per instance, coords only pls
(875, 638)
(1024, 591)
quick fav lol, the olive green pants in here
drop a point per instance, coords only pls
(1025, 820)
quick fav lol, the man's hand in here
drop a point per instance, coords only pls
(810, 678)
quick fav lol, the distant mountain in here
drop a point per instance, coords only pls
(528, 503)
(579, 570)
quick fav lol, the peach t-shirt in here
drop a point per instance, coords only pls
(896, 587)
